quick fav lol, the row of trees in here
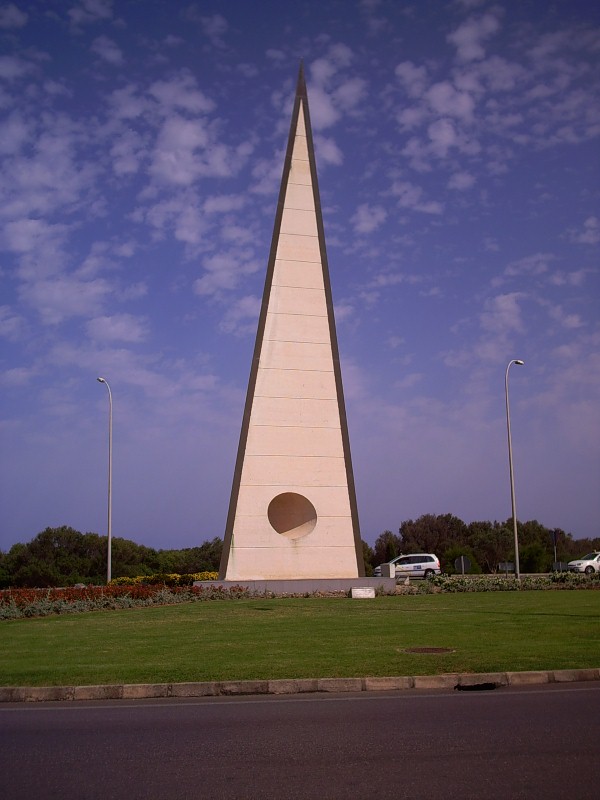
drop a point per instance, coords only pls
(64, 556)
(486, 544)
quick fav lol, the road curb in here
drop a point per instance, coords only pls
(140, 691)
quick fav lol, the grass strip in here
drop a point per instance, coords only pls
(307, 637)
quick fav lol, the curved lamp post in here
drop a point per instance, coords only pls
(510, 463)
(109, 555)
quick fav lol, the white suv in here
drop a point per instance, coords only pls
(587, 564)
(417, 565)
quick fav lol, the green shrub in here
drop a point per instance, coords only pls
(502, 583)
(166, 579)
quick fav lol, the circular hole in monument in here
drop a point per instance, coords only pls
(292, 515)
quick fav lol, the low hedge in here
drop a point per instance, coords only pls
(503, 583)
(165, 579)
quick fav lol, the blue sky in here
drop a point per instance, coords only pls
(458, 159)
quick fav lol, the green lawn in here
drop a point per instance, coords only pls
(306, 638)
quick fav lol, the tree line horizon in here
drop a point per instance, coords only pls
(63, 556)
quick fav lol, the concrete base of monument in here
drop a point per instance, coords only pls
(306, 585)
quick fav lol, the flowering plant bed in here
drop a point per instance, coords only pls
(17, 603)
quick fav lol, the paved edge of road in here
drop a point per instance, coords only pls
(140, 691)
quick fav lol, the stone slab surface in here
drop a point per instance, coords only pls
(136, 691)
(524, 678)
(447, 681)
(306, 585)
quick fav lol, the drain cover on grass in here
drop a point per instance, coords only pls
(429, 650)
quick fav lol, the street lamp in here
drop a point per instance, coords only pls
(108, 559)
(510, 463)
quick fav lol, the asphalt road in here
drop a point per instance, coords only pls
(538, 742)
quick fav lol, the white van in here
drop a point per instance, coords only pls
(416, 565)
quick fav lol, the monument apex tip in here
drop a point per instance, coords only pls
(301, 85)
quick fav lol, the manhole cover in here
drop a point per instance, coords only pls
(429, 650)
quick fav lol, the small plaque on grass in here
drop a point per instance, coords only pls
(362, 592)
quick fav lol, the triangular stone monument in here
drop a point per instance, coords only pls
(292, 512)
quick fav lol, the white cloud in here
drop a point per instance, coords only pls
(331, 93)
(343, 310)
(461, 181)
(443, 135)
(27, 235)
(12, 68)
(38, 244)
(126, 103)
(61, 298)
(444, 99)
(575, 278)
(12, 324)
(413, 78)
(15, 134)
(323, 69)
(181, 93)
(224, 271)
(214, 28)
(590, 233)
(384, 279)
(323, 113)
(267, 172)
(242, 316)
(275, 55)
(12, 17)
(108, 50)
(238, 234)
(537, 264)
(566, 320)
(350, 93)
(411, 196)
(327, 151)
(502, 314)
(499, 74)
(190, 226)
(49, 174)
(118, 327)
(368, 218)
(89, 11)
(18, 376)
(217, 204)
(128, 152)
(411, 117)
(177, 156)
(468, 38)
(182, 216)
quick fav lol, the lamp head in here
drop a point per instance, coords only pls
(517, 361)
(100, 380)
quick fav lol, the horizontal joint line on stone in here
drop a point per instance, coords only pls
(298, 369)
(295, 341)
(302, 235)
(288, 455)
(321, 517)
(288, 397)
(295, 314)
(279, 259)
(297, 427)
(304, 288)
(305, 487)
